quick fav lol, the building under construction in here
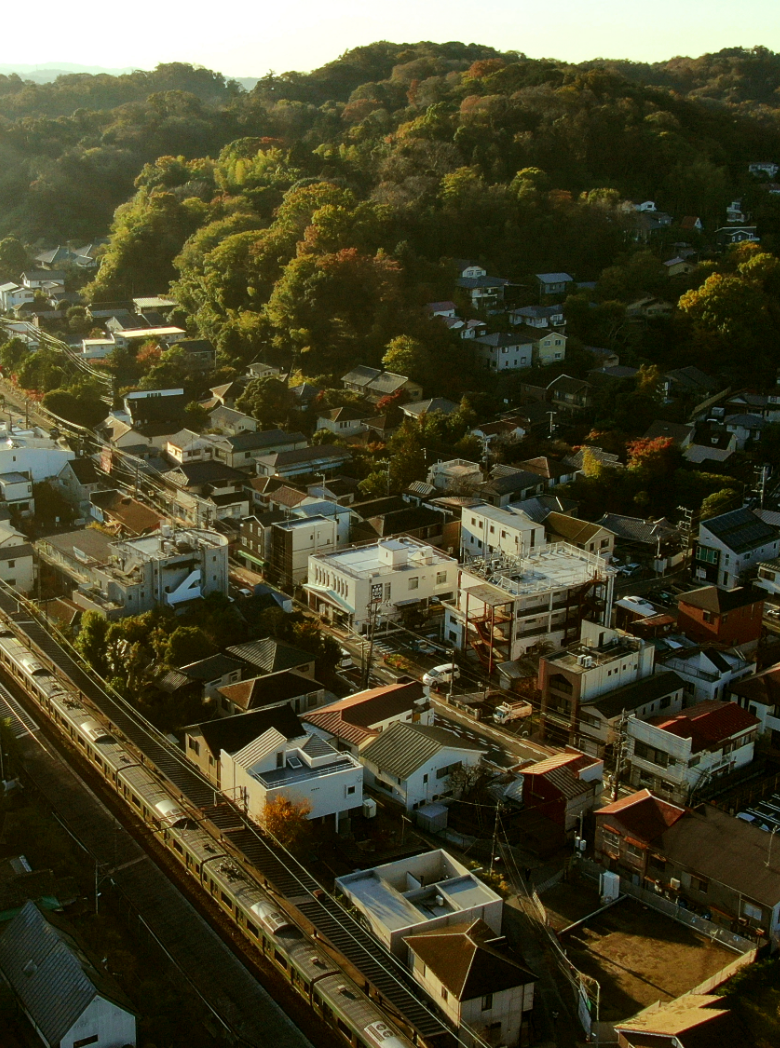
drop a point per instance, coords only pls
(508, 606)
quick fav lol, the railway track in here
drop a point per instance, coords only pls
(384, 976)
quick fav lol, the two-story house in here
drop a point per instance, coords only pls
(351, 723)
(483, 290)
(554, 283)
(487, 529)
(729, 544)
(500, 351)
(733, 618)
(707, 672)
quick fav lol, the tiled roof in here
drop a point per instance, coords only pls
(234, 733)
(643, 815)
(212, 668)
(269, 690)
(676, 431)
(639, 693)
(271, 655)
(352, 719)
(634, 529)
(708, 724)
(571, 529)
(403, 748)
(466, 961)
(549, 468)
(50, 974)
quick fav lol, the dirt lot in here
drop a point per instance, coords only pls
(639, 956)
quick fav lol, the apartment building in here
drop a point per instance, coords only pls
(486, 530)
(378, 581)
(505, 606)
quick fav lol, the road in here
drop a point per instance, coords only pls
(508, 744)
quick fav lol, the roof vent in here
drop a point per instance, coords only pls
(30, 968)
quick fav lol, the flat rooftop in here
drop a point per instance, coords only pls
(568, 659)
(361, 561)
(554, 566)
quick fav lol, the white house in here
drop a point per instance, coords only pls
(504, 352)
(764, 167)
(487, 529)
(708, 673)
(412, 763)
(17, 560)
(13, 295)
(294, 542)
(69, 1001)
(730, 543)
(676, 755)
(759, 694)
(419, 893)
(304, 769)
(378, 581)
(480, 984)
(16, 492)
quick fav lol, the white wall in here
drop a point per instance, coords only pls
(40, 463)
(422, 786)
(19, 573)
(483, 533)
(113, 1026)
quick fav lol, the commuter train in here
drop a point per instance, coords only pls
(312, 973)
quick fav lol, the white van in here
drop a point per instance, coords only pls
(441, 675)
(346, 662)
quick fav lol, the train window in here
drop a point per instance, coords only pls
(280, 959)
(99, 762)
(226, 900)
(179, 849)
(251, 928)
(80, 741)
(344, 1028)
(145, 810)
(135, 800)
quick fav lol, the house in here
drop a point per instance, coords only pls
(552, 471)
(693, 1019)
(231, 422)
(208, 491)
(504, 609)
(345, 421)
(691, 223)
(677, 266)
(563, 787)
(678, 754)
(483, 290)
(426, 407)
(728, 617)
(538, 316)
(374, 384)
(484, 989)
(419, 893)
(351, 723)
(204, 743)
(759, 694)
(486, 530)
(16, 492)
(376, 582)
(648, 306)
(17, 560)
(454, 474)
(199, 354)
(595, 538)
(570, 395)
(736, 234)
(703, 859)
(655, 535)
(764, 167)
(13, 295)
(509, 484)
(154, 405)
(299, 767)
(679, 433)
(77, 481)
(213, 673)
(130, 576)
(271, 656)
(729, 544)
(706, 672)
(613, 376)
(69, 999)
(323, 458)
(549, 348)
(442, 309)
(420, 522)
(293, 543)
(594, 681)
(412, 763)
(746, 428)
(502, 352)
(124, 514)
(554, 283)
(291, 687)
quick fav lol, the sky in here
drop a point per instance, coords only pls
(250, 37)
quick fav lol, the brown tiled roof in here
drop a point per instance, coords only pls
(708, 724)
(764, 687)
(467, 963)
(572, 529)
(546, 467)
(352, 718)
(642, 815)
(288, 496)
(273, 688)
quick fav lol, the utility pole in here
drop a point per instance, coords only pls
(620, 748)
(494, 841)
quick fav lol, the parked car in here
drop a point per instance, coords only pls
(440, 676)
(346, 662)
(630, 569)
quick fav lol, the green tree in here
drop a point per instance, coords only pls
(187, 644)
(268, 400)
(13, 259)
(719, 502)
(407, 356)
(91, 641)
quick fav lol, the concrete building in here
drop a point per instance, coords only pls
(16, 493)
(412, 763)
(676, 756)
(729, 544)
(759, 694)
(293, 544)
(707, 672)
(300, 767)
(130, 576)
(419, 893)
(378, 580)
(485, 530)
(484, 989)
(507, 605)
(69, 1000)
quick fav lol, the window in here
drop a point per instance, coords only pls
(11, 563)
(280, 759)
(442, 773)
(699, 884)
(350, 790)
(85, 1041)
(414, 582)
(750, 910)
(611, 840)
(487, 1002)
(441, 578)
(635, 850)
(443, 994)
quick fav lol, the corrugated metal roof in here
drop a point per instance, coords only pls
(52, 978)
(403, 748)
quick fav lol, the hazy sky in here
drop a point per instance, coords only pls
(248, 38)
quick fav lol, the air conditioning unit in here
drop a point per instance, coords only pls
(369, 807)
(674, 884)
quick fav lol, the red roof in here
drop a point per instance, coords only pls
(709, 724)
(643, 815)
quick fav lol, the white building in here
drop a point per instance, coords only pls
(17, 560)
(419, 893)
(303, 769)
(380, 579)
(412, 763)
(500, 351)
(294, 542)
(485, 530)
(13, 295)
(507, 605)
(729, 544)
(68, 1000)
(760, 694)
(673, 756)
(483, 988)
(16, 492)
(707, 672)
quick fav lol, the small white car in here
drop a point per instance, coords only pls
(346, 662)
(442, 675)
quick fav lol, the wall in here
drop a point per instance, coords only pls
(422, 786)
(114, 1027)
(19, 573)
(508, 1008)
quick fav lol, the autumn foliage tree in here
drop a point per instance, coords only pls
(288, 821)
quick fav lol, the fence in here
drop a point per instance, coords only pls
(692, 920)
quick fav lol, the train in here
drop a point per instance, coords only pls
(331, 993)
